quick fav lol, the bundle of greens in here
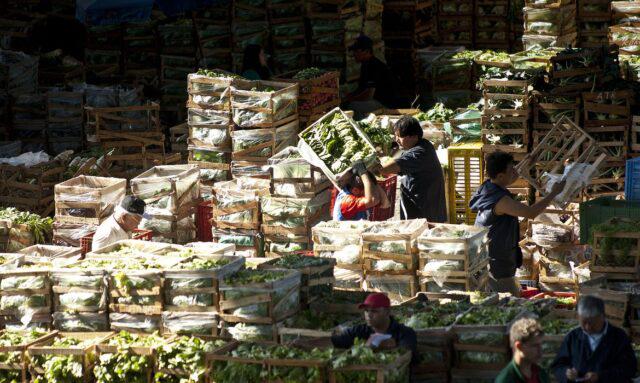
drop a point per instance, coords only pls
(41, 228)
(247, 277)
(489, 315)
(308, 73)
(297, 261)
(433, 316)
(614, 251)
(216, 74)
(337, 143)
(438, 114)
(184, 354)
(361, 354)
(248, 283)
(558, 326)
(490, 56)
(202, 264)
(124, 365)
(10, 338)
(380, 137)
(60, 368)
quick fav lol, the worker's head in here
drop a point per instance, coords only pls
(525, 337)
(130, 213)
(408, 132)
(500, 168)
(377, 310)
(254, 58)
(353, 184)
(591, 314)
(362, 49)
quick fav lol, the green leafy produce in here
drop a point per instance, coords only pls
(494, 57)
(246, 277)
(214, 73)
(557, 326)
(432, 316)
(202, 264)
(246, 373)
(184, 354)
(40, 227)
(490, 315)
(60, 368)
(439, 114)
(615, 251)
(337, 143)
(124, 365)
(308, 319)
(297, 261)
(15, 338)
(361, 354)
(380, 137)
(308, 73)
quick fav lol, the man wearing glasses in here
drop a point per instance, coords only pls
(381, 331)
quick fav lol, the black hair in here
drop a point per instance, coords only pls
(251, 61)
(408, 126)
(497, 163)
(133, 205)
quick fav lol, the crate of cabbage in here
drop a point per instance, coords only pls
(210, 89)
(292, 176)
(340, 240)
(26, 289)
(334, 143)
(317, 274)
(236, 203)
(361, 364)
(131, 357)
(263, 104)
(192, 284)
(13, 352)
(293, 216)
(87, 199)
(65, 356)
(170, 190)
(260, 296)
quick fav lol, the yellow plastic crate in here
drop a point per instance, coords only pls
(465, 175)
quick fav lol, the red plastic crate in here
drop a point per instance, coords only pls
(389, 185)
(203, 222)
(139, 234)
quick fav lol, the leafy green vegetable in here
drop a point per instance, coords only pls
(245, 277)
(202, 264)
(297, 261)
(439, 114)
(557, 326)
(308, 73)
(489, 315)
(40, 227)
(184, 354)
(361, 354)
(59, 368)
(15, 338)
(124, 365)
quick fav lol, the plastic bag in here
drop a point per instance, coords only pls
(27, 159)
(190, 323)
(249, 332)
(577, 175)
(80, 322)
(280, 290)
(135, 323)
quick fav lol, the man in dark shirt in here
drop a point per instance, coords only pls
(382, 331)
(377, 84)
(597, 351)
(423, 183)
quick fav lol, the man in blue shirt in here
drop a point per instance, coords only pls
(597, 351)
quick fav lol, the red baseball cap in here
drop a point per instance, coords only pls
(375, 301)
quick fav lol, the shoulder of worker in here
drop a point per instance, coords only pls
(616, 332)
(508, 374)
(400, 329)
(487, 195)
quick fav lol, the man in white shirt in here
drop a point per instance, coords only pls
(125, 219)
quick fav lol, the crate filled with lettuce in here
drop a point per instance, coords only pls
(293, 216)
(615, 247)
(481, 340)
(127, 356)
(263, 104)
(196, 323)
(214, 165)
(258, 145)
(169, 190)
(626, 37)
(184, 358)
(13, 352)
(278, 245)
(319, 91)
(192, 285)
(317, 274)
(210, 89)
(451, 257)
(549, 20)
(65, 356)
(391, 247)
(236, 203)
(88, 199)
(310, 324)
(334, 143)
(209, 129)
(292, 176)
(453, 71)
(380, 132)
(361, 363)
(249, 243)
(253, 362)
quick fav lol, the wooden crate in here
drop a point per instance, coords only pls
(190, 323)
(149, 352)
(616, 302)
(87, 195)
(392, 232)
(513, 125)
(471, 249)
(584, 64)
(257, 145)
(25, 272)
(475, 279)
(598, 265)
(50, 251)
(608, 180)
(381, 371)
(292, 176)
(617, 37)
(224, 236)
(564, 18)
(70, 280)
(212, 93)
(594, 8)
(153, 292)
(265, 294)
(177, 182)
(616, 103)
(398, 288)
(316, 96)
(546, 112)
(239, 195)
(448, 73)
(315, 279)
(612, 139)
(459, 346)
(82, 353)
(178, 275)
(21, 367)
(306, 211)
(203, 122)
(506, 91)
(635, 133)
(342, 302)
(333, 236)
(272, 108)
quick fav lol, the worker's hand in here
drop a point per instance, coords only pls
(558, 188)
(572, 374)
(591, 377)
(359, 168)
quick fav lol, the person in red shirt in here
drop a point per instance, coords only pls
(359, 193)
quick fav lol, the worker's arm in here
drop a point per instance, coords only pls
(509, 206)
(382, 196)
(371, 197)
(389, 168)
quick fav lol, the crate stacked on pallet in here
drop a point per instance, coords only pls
(334, 27)
(189, 310)
(607, 118)
(82, 204)
(492, 29)
(29, 120)
(550, 24)
(236, 214)
(103, 53)
(30, 188)
(254, 303)
(65, 121)
(406, 27)
(594, 18)
(455, 22)
(214, 37)
(390, 253)
(209, 121)
(265, 121)
(452, 257)
(172, 196)
(288, 34)
(249, 25)
(140, 52)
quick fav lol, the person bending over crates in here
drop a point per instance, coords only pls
(499, 211)
(358, 194)
(123, 221)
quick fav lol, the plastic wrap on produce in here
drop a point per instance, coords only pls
(70, 234)
(80, 322)
(248, 139)
(213, 175)
(348, 279)
(83, 301)
(249, 169)
(28, 159)
(549, 236)
(213, 138)
(163, 226)
(285, 246)
(288, 163)
(253, 108)
(282, 208)
(203, 91)
(21, 72)
(533, 42)
(190, 323)
(207, 117)
(287, 289)
(399, 287)
(134, 322)
(252, 332)
(208, 155)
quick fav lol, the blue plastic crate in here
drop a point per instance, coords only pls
(632, 180)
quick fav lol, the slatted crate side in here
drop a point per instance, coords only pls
(608, 104)
(471, 250)
(87, 195)
(460, 347)
(60, 288)
(608, 180)
(22, 366)
(8, 292)
(564, 19)
(612, 139)
(635, 133)
(153, 292)
(398, 288)
(594, 8)
(456, 8)
(381, 371)
(512, 124)
(473, 280)
(466, 174)
(210, 92)
(546, 114)
(616, 303)
(599, 263)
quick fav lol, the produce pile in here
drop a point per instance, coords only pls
(183, 359)
(434, 315)
(125, 365)
(40, 228)
(380, 137)
(360, 355)
(438, 114)
(58, 367)
(613, 251)
(10, 339)
(336, 142)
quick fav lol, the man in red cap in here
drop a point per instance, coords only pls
(382, 331)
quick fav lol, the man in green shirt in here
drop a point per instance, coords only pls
(525, 337)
